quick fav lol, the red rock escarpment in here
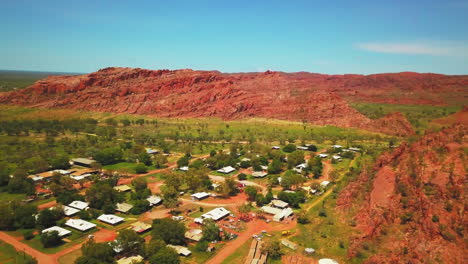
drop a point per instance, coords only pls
(414, 210)
(315, 98)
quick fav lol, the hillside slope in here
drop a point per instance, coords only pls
(315, 98)
(410, 208)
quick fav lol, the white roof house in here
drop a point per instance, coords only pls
(110, 219)
(275, 147)
(271, 210)
(355, 149)
(194, 234)
(79, 224)
(226, 170)
(81, 177)
(279, 204)
(130, 260)
(61, 231)
(321, 155)
(69, 211)
(154, 200)
(184, 168)
(123, 207)
(64, 172)
(301, 166)
(259, 174)
(245, 159)
(337, 146)
(302, 148)
(183, 251)
(37, 178)
(324, 184)
(200, 195)
(264, 167)
(327, 261)
(283, 214)
(79, 205)
(337, 157)
(216, 214)
(151, 151)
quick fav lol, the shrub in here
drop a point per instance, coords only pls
(140, 168)
(28, 234)
(242, 177)
(201, 246)
(289, 148)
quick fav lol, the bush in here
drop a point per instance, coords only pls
(201, 246)
(50, 239)
(140, 168)
(28, 234)
(289, 148)
(242, 177)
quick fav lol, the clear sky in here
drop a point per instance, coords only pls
(329, 36)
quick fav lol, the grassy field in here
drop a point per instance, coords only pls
(9, 255)
(125, 166)
(418, 115)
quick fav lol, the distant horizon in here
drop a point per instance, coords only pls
(223, 72)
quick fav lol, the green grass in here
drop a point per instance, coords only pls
(76, 237)
(418, 115)
(9, 255)
(4, 196)
(239, 255)
(201, 257)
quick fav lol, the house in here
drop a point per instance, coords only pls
(36, 178)
(110, 219)
(79, 205)
(216, 214)
(140, 227)
(309, 250)
(123, 207)
(327, 261)
(355, 149)
(226, 170)
(279, 204)
(184, 168)
(83, 162)
(289, 244)
(70, 211)
(183, 251)
(264, 167)
(130, 260)
(337, 146)
(122, 188)
(259, 174)
(245, 159)
(154, 200)
(283, 214)
(337, 157)
(302, 148)
(80, 225)
(151, 151)
(324, 184)
(301, 166)
(321, 155)
(61, 231)
(271, 210)
(275, 147)
(194, 234)
(200, 196)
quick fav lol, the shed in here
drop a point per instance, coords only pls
(259, 174)
(69, 211)
(183, 251)
(123, 207)
(279, 204)
(122, 188)
(140, 227)
(216, 214)
(200, 196)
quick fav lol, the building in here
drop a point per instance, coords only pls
(183, 251)
(110, 219)
(154, 200)
(122, 188)
(245, 159)
(61, 231)
(226, 170)
(80, 225)
(324, 184)
(279, 204)
(275, 147)
(215, 214)
(337, 146)
(130, 260)
(327, 261)
(79, 205)
(259, 174)
(200, 196)
(264, 167)
(184, 168)
(194, 234)
(151, 151)
(321, 155)
(355, 149)
(337, 157)
(283, 214)
(123, 207)
(289, 244)
(70, 211)
(83, 162)
(302, 148)
(140, 227)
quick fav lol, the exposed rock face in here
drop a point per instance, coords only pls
(414, 211)
(302, 96)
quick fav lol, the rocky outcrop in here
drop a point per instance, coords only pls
(315, 98)
(411, 205)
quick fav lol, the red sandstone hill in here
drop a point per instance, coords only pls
(316, 98)
(411, 207)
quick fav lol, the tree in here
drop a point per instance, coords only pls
(170, 231)
(100, 194)
(295, 158)
(229, 187)
(109, 155)
(275, 167)
(242, 177)
(183, 161)
(289, 148)
(130, 242)
(170, 196)
(140, 206)
(201, 246)
(273, 248)
(8, 217)
(145, 158)
(260, 200)
(125, 122)
(140, 168)
(302, 217)
(312, 148)
(60, 162)
(153, 247)
(251, 192)
(291, 179)
(48, 218)
(96, 253)
(165, 256)
(315, 166)
(293, 198)
(210, 230)
(50, 239)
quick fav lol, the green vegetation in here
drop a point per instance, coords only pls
(418, 115)
(8, 255)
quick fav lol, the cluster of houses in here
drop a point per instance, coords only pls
(279, 209)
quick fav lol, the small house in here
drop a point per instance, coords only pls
(83, 162)
(216, 214)
(140, 227)
(322, 155)
(80, 205)
(324, 184)
(183, 251)
(151, 151)
(279, 204)
(226, 170)
(200, 196)
(110, 219)
(123, 207)
(184, 168)
(80, 225)
(194, 234)
(122, 188)
(154, 200)
(70, 211)
(259, 174)
(61, 231)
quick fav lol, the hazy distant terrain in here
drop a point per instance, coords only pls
(13, 80)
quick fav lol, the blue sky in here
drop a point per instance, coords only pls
(334, 37)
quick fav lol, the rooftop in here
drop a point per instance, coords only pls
(140, 227)
(123, 207)
(154, 200)
(110, 219)
(227, 169)
(79, 224)
(79, 205)
(216, 213)
(183, 251)
(61, 231)
(200, 195)
(122, 188)
(130, 260)
(83, 161)
(69, 211)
